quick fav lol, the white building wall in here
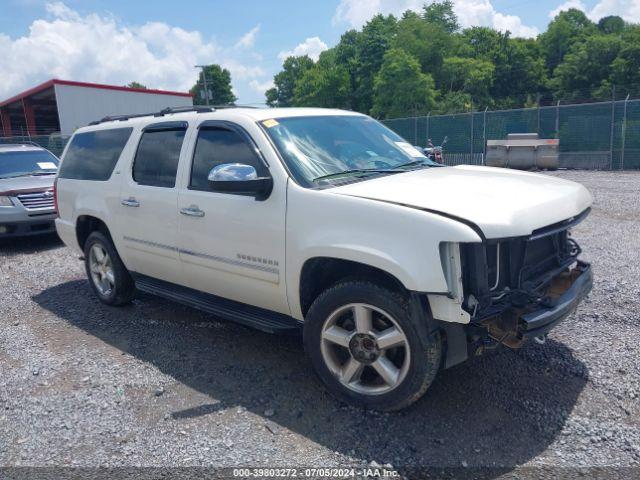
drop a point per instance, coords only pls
(78, 106)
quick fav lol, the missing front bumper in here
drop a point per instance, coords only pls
(566, 292)
(515, 326)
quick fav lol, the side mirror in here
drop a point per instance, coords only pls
(239, 179)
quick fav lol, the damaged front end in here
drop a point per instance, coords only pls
(520, 288)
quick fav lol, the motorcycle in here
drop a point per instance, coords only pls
(433, 152)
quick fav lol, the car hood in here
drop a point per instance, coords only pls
(19, 184)
(501, 202)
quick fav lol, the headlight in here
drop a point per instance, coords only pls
(5, 201)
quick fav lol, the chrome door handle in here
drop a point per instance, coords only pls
(192, 211)
(130, 202)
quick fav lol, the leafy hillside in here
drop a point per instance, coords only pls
(423, 62)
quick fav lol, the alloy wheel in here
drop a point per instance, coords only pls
(365, 349)
(101, 268)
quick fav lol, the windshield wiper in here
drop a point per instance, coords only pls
(357, 170)
(423, 162)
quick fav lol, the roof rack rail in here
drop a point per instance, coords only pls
(195, 108)
(161, 113)
(120, 118)
(232, 105)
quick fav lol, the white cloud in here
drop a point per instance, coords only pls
(357, 12)
(99, 48)
(566, 6)
(470, 13)
(248, 40)
(261, 87)
(627, 9)
(312, 46)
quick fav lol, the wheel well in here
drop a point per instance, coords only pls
(87, 224)
(320, 273)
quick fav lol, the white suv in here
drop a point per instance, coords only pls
(325, 222)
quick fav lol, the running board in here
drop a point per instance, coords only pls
(250, 316)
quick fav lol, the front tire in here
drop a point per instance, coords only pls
(108, 277)
(367, 347)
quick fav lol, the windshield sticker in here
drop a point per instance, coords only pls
(47, 165)
(270, 123)
(409, 149)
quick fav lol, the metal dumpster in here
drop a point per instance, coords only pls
(523, 151)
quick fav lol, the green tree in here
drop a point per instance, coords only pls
(326, 84)
(480, 64)
(586, 66)
(293, 68)
(611, 24)
(469, 75)
(519, 68)
(136, 85)
(441, 14)
(346, 55)
(429, 43)
(373, 42)
(218, 86)
(568, 28)
(519, 73)
(401, 88)
(454, 102)
(625, 69)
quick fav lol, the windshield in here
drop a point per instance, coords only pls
(318, 149)
(27, 163)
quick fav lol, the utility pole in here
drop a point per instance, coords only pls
(204, 80)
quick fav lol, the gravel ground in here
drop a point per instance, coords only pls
(159, 384)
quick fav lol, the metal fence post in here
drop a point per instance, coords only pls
(558, 119)
(538, 105)
(624, 131)
(415, 125)
(471, 157)
(428, 118)
(613, 123)
(484, 135)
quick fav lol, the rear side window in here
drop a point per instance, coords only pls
(216, 146)
(156, 161)
(93, 155)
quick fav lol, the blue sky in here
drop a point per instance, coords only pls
(157, 43)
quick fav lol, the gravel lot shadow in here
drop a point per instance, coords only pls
(28, 245)
(498, 411)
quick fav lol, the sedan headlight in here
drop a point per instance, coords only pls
(5, 201)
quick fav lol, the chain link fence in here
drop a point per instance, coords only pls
(595, 136)
(55, 143)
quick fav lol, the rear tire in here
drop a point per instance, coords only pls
(108, 277)
(367, 347)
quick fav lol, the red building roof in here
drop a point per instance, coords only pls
(55, 81)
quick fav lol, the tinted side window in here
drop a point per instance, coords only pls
(156, 161)
(93, 155)
(216, 146)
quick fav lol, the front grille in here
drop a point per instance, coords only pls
(37, 200)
